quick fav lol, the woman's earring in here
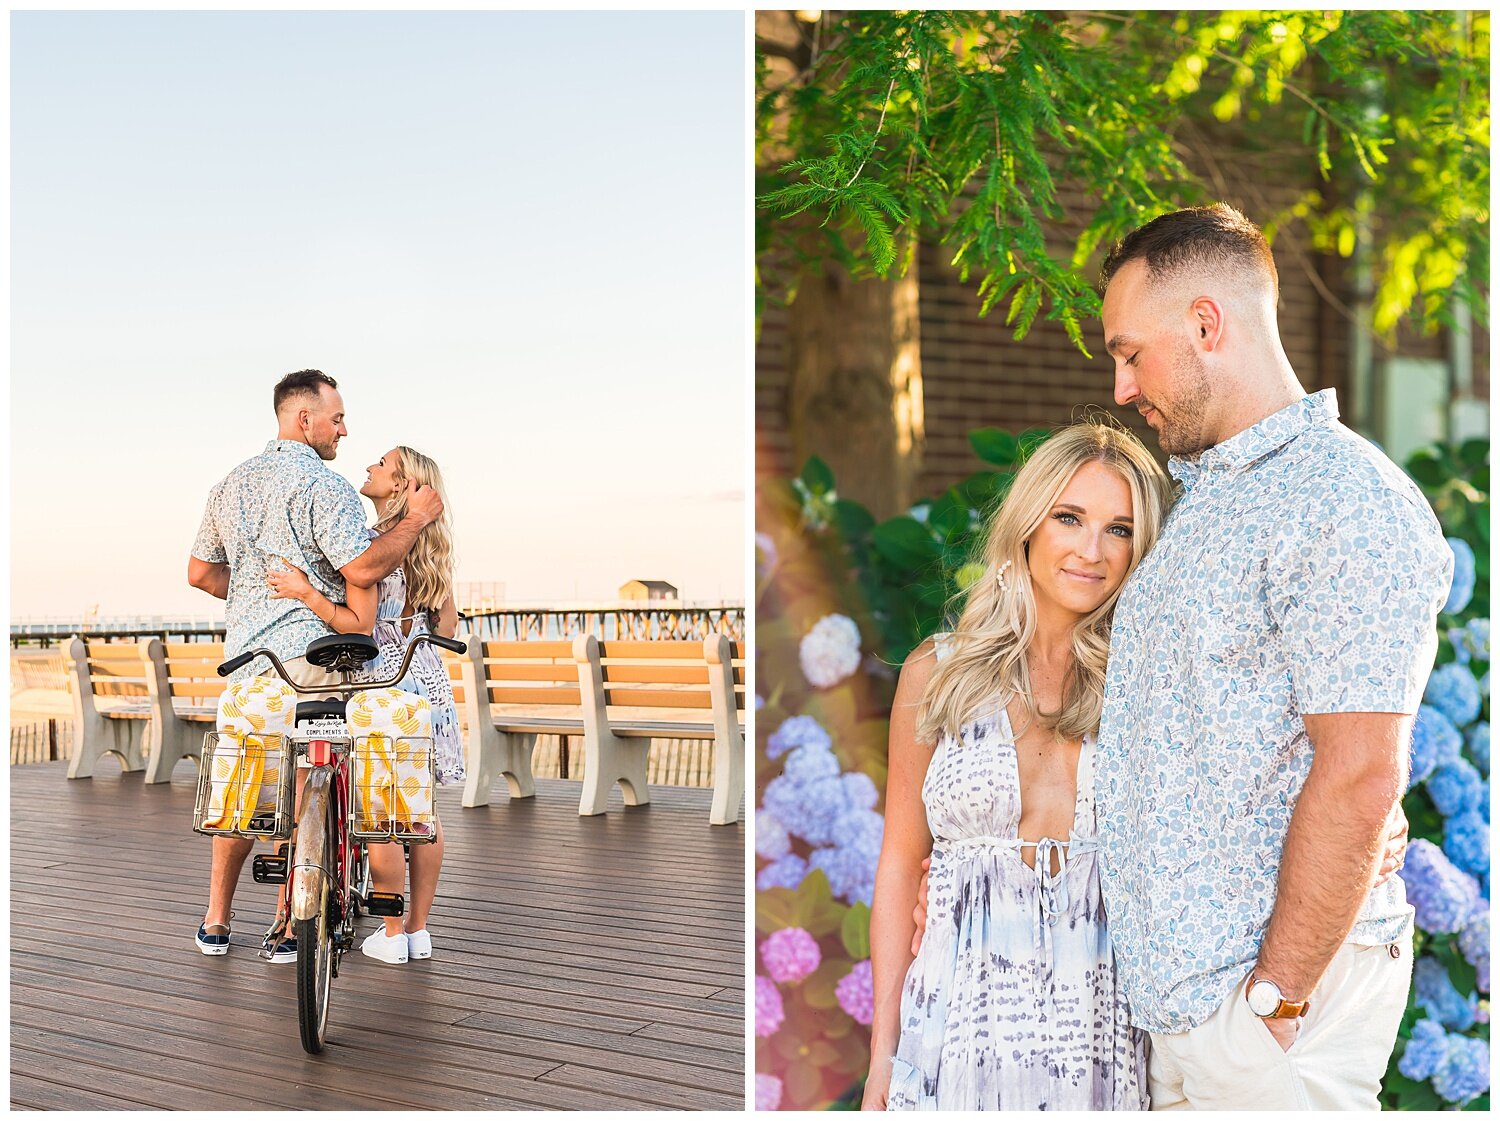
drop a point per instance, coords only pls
(1000, 576)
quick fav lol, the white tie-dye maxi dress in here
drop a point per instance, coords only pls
(1012, 1001)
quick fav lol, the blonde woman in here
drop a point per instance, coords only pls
(417, 597)
(1010, 1001)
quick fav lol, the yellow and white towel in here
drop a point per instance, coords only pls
(255, 719)
(392, 732)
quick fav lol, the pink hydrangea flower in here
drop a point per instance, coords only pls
(856, 992)
(790, 955)
(769, 1011)
(767, 1092)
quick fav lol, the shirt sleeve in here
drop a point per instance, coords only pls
(209, 545)
(1355, 599)
(338, 521)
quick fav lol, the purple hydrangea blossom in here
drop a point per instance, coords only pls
(1465, 1073)
(790, 954)
(808, 810)
(1453, 691)
(771, 839)
(769, 1010)
(1425, 1051)
(767, 1092)
(1478, 743)
(1444, 896)
(860, 789)
(1455, 787)
(808, 764)
(1462, 588)
(856, 992)
(1474, 944)
(850, 876)
(797, 731)
(1440, 1000)
(788, 872)
(1466, 842)
(1434, 741)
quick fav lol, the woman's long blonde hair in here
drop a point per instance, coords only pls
(999, 620)
(429, 565)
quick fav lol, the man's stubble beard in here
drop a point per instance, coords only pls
(1182, 428)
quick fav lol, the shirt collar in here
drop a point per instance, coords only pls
(1259, 440)
(294, 446)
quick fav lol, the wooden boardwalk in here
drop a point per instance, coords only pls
(579, 963)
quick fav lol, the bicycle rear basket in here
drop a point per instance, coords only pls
(245, 784)
(392, 780)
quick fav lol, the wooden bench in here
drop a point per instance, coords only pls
(185, 687)
(156, 700)
(648, 677)
(107, 684)
(619, 696)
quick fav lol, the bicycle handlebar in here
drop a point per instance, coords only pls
(235, 663)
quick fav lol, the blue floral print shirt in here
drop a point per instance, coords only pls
(1299, 572)
(284, 503)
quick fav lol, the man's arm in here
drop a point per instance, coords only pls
(209, 577)
(1333, 847)
(389, 549)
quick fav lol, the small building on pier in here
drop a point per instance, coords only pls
(648, 591)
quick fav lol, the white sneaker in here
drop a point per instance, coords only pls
(418, 944)
(391, 950)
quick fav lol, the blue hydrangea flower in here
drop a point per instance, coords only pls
(1440, 1000)
(1458, 639)
(1443, 896)
(1478, 638)
(797, 731)
(771, 839)
(1462, 589)
(1454, 787)
(1478, 743)
(1465, 1074)
(787, 872)
(1425, 1051)
(1466, 841)
(1434, 741)
(1474, 944)
(1453, 691)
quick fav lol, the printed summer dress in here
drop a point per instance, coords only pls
(428, 675)
(1011, 1002)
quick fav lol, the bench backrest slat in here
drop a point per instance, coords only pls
(531, 673)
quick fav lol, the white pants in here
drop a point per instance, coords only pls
(1231, 1060)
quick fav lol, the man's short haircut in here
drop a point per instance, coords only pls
(304, 383)
(1218, 236)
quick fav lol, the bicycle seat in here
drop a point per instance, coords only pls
(341, 653)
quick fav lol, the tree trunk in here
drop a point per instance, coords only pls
(856, 384)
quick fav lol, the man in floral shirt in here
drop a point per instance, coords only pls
(1266, 660)
(285, 503)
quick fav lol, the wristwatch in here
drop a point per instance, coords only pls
(1266, 1001)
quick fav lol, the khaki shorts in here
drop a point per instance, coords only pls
(1231, 1060)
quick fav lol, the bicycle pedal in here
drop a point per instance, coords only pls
(269, 869)
(385, 904)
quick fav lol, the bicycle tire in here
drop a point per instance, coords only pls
(314, 974)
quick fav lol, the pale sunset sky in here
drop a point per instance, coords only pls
(516, 239)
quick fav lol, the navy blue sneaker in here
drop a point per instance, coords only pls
(213, 940)
(285, 952)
